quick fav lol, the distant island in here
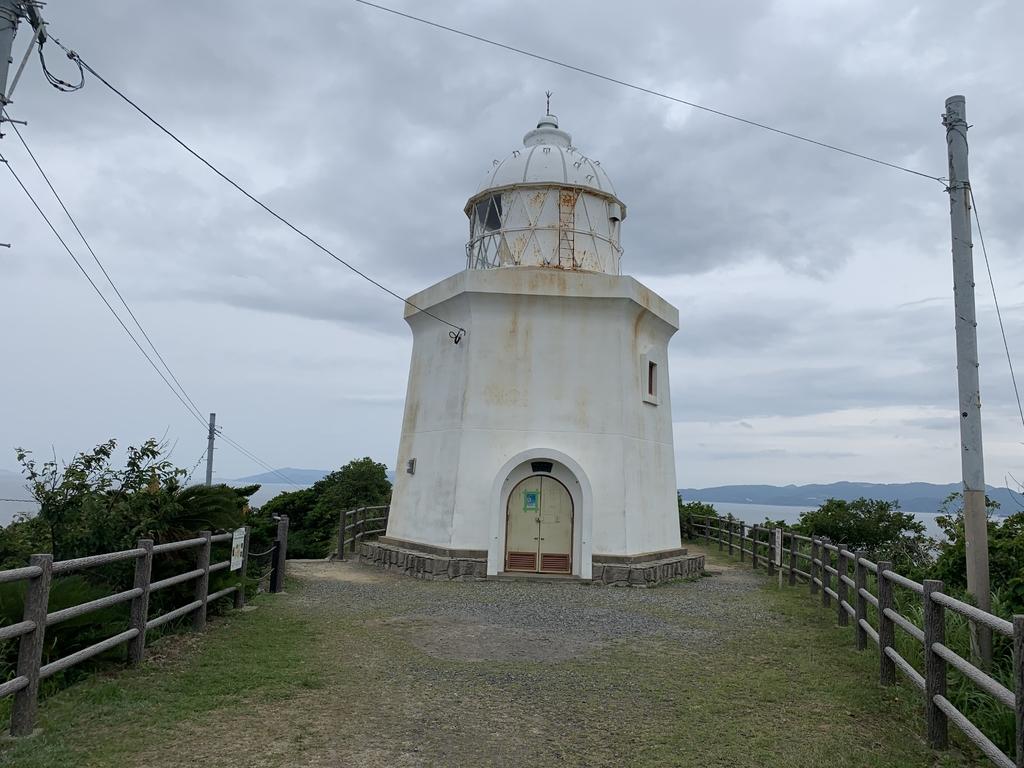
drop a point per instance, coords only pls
(913, 497)
(297, 476)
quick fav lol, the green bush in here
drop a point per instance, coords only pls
(88, 506)
(313, 513)
(691, 513)
(1005, 552)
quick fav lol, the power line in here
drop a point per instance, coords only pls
(458, 331)
(650, 91)
(999, 314)
(257, 459)
(103, 269)
(22, 501)
(99, 292)
(188, 477)
(121, 322)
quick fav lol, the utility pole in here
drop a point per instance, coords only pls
(10, 15)
(971, 456)
(11, 12)
(209, 448)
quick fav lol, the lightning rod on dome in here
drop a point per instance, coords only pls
(548, 94)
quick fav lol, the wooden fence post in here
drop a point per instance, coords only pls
(355, 530)
(753, 546)
(886, 628)
(1018, 674)
(934, 666)
(718, 534)
(342, 522)
(743, 527)
(841, 588)
(240, 592)
(282, 537)
(826, 577)
(202, 583)
(140, 604)
(30, 648)
(732, 525)
(860, 603)
(815, 548)
(771, 551)
(274, 586)
(792, 559)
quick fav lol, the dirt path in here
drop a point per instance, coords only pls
(419, 673)
(357, 667)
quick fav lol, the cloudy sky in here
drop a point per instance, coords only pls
(814, 289)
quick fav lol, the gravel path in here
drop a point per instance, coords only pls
(524, 621)
(723, 670)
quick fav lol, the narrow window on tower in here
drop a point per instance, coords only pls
(488, 213)
(649, 380)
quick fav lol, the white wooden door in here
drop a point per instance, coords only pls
(538, 533)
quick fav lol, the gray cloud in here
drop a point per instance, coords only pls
(808, 282)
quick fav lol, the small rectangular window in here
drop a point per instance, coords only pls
(649, 380)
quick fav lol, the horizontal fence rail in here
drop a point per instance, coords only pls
(30, 632)
(830, 564)
(354, 525)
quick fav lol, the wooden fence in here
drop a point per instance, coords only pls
(768, 548)
(356, 524)
(30, 631)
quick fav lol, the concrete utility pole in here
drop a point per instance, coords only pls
(971, 456)
(209, 448)
(10, 14)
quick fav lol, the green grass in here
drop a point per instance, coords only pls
(287, 685)
(107, 718)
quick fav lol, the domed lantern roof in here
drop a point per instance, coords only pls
(547, 204)
(548, 156)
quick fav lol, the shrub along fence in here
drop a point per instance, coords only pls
(356, 524)
(31, 630)
(789, 554)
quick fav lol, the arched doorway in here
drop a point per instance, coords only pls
(539, 526)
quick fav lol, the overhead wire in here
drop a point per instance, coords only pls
(188, 477)
(106, 274)
(256, 459)
(194, 413)
(457, 333)
(61, 85)
(98, 291)
(650, 91)
(995, 300)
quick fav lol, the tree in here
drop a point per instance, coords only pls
(313, 512)
(88, 506)
(1005, 550)
(693, 512)
(870, 524)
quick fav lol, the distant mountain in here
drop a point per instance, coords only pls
(297, 476)
(913, 497)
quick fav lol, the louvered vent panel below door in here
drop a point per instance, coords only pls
(554, 563)
(522, 561)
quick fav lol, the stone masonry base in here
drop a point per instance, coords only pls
(430, 563)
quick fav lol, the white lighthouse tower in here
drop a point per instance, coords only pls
(542, 443)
